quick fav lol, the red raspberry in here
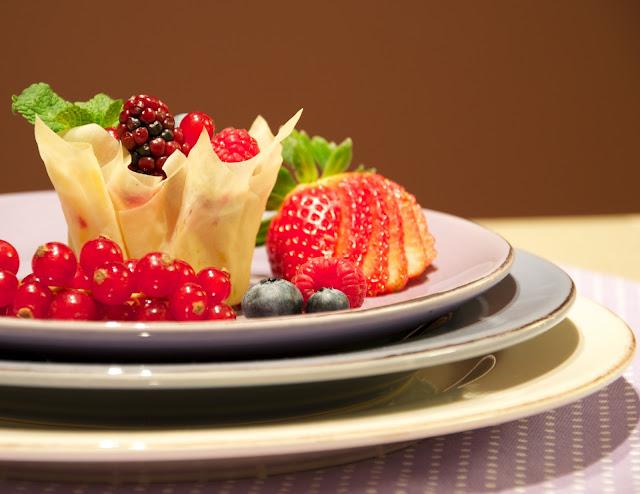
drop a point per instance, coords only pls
(216, 282)
(73, 305)
(32, 300)
(331, 272)
(233, 145)
(8, 287)
(55, 264)
(9, 259)
(220, 312)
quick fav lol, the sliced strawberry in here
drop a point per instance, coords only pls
(427, 239)
(306, 226)
(414, 247)
(355, 224)
(376, 258)
(397, 266)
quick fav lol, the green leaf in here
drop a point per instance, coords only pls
(262, 232)
(39, 99)
(288, 146)
(103, 109)
(284, 184)
(73, 116)
(321, 150)
(340, 159)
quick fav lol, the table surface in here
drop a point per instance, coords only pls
(609, 243)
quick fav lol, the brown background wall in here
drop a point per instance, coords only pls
(481, 108)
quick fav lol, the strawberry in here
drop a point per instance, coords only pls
(331, 212)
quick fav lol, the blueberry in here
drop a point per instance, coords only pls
(327, 299)
(272, 297)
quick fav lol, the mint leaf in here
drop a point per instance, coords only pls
(73, 116)
(103, 109)
(39, 99)
(340, 159)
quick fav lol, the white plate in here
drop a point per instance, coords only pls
(534, 297)
(579, 356)
(470, 260)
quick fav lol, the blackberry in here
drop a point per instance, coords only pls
(147, 130)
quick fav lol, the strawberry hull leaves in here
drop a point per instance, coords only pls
(40, 100)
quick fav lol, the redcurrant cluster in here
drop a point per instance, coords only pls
(102, 285)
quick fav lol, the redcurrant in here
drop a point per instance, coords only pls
(189, 303)
(156, 275)
(112, 283)
(55, 264)
(216, 282)
(29, 278)
(220, 311)
(73, 305)
(154, 309)
(8, 287)
(131, 265)
(186, 274)
(98, 251)
(9, 259)
(80, 280)
(123, 312)
(32, 300)
(192, 125)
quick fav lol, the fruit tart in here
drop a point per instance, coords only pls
(128, 171)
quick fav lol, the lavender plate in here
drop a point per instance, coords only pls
(470, 260)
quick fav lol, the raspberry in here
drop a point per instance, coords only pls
(331, 272)
(233, 145)
(147, 131)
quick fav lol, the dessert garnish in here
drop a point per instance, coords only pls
(327, 299)
(157, 187)
(320, 272)
(272, 297)
(323, 210)
(103, 286)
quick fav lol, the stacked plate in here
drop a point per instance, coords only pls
(487, 336)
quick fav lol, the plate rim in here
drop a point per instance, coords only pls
(138, 376)
(281, 322)
(203, 448)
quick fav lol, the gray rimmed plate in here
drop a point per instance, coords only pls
(471, 259)
(534, 297)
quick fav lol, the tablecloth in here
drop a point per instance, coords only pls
(591, 446)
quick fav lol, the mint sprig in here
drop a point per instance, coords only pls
(39, 99)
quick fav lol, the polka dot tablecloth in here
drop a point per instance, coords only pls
(592, 446)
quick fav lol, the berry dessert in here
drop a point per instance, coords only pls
(272, 297)
(327, 299)
(125, 171)
(104, 287)
(360, 216)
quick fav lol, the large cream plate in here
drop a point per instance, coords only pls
(582, 354)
